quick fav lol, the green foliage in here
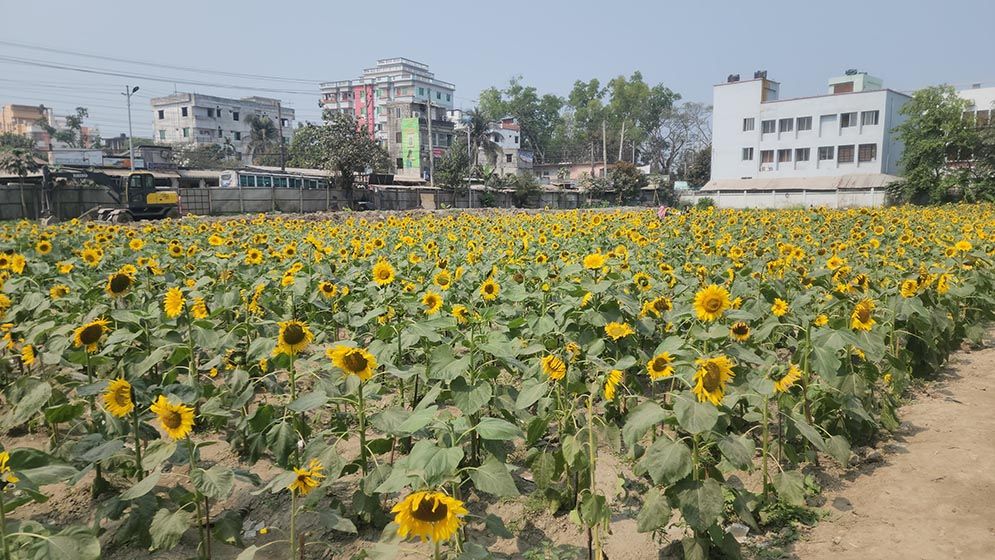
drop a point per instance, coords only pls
(11, 140)
(627, 180)
(537, 114)
(205, 156)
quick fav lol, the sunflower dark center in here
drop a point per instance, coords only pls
(712, 378)
(430, 510)
(120, 283)
(489, 288)
(661, 305)
(384, 274)
(740, 329)
(172, 419)
(863, 314)
(712, 304)
(91, 334)
(122, 396)
(659, 364)
(293, 334)
(355, 361)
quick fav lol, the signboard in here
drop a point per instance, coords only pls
(438, 152)
(410, 143)
(122, 162)
(76, 157)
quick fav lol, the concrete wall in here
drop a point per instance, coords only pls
(792, 199)
(67, 202)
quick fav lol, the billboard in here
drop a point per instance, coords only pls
(410, 143)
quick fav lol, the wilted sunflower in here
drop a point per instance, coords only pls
(293, 337)
(117, 398)
(711, 302)
(739, 331)
(862, 317)
(779, 308)
(383, 273)
(307, 479)
(642, 281)
(428, 515)
(490, 289)
(431, 302)
(88, 336)
(611, 383)
(616, 330)
(118, 284)
(553, 367)
(711, 378)
(660, 366)
(786, 381)
(172, 304)
(176, 419)
(353, 361)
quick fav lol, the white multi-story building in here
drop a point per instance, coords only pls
(982, 104)
(185, 118)
(841, 142)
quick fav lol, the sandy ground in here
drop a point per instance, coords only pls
(933, 494)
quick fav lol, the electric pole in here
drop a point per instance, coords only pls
(431, 155)
(128, 92)
(279, 127)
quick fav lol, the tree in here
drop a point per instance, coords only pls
(696, 166)
(453, 169)
(684, 128)
(206, 156)
(627, 181)
(22, 163)
(72, 134)
(537, 115)
(636, 108)
(340, 146)
(479, 131)
(12, 140)
(935, 130)
(589, 113)
(264, 139)
(523, 187)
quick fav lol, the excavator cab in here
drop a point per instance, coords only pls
(144, 201)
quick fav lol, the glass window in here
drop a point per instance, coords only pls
(848, 119)
(747, 154)
(280, 182)
(786, 125)
(804, 123)
(825, 152)
(749, 124)
(766, 156)
(867, 152)
(844, 154)
(234, 115)
(767, 127)
(264, 181)
(245, 181)
(162, 135)
(868, 118)
(801, 154)
(186, 133)
(784, 156)
(183, 111)
(162, 115)
(421, 91)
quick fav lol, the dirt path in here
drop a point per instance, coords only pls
(932, 495)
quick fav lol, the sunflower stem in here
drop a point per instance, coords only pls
(764, 443)
(438, 553)
(361, 413)
(293, 524)
(596, 528)
(3, 524)
(196, 498)
(138, 439)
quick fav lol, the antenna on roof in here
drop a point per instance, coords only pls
(851, 72)
(760, 74)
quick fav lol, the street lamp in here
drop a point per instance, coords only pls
(128, 92)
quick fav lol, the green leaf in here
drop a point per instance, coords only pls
(667, 461)
(282, 440)
(695, 548)
(28, 404)
(655, 512)
(838, 448)
(532, 391)
(497, 429)
(495, 526)
(436, 462)
(157, 452)
(695, 417)
(144, 486)
(790, 487)
(308, 402)
(228, 527)
(102, 451)
(642, 418)
(64, 412)
(49, 474)
(738, 450)
(215, 483)
(701, 503)
(544, 469)
(74, 543)
(167, 527)
(808, 431)
(418, 420)
(470, 398)
(493, 478)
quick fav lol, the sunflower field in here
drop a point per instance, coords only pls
(401, 374)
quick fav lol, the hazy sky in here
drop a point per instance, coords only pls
(687, 45)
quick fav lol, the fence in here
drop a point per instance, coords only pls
(842, 198)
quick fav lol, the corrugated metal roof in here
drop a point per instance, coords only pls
(831, 183)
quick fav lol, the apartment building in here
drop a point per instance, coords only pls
(400, 103)
(193, 118)
(35, 122)
(508, 157)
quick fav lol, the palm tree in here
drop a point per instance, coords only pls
(21, 162)
(263, 135)
(480, 136)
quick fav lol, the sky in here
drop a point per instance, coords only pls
(688, 46)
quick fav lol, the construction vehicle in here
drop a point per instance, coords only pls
(135, 195)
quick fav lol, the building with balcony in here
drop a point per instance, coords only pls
(400, 103)
(193, 118)
(37, 123)
(820, 145)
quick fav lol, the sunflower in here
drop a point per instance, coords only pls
(136, 244)
(28, 355)
(353, 361)
(172, 304)
(611, 383)
(595, 261)
(43, 247)
(327, 289)
(199, 309)
(739, 331)
(91, 257)
(383, 273)
(553, 367)
(428, 515)
(66, 267)
(642, 281)
(117, 398)
(253, 256)
(657, 307)
(461, 313)
(909, 288)
(711, 378)
(431, 302)
(660, 366)
(711, 302)
(307, 479)
(118, 284)
(862, 317)
(943, 283)
(779, 308)
(616, 330)
(58, 291)
(443, 280)
(6, 475)
(176, 419)
(788, 380)
(821, 320)
(88, 336)
(293, 337)
(490, 289)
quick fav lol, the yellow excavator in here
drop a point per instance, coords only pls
(135, 195)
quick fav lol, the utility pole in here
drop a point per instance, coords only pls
(279, 127)
(604, 149)
(469, 165)
(128, 92)
(431, 149)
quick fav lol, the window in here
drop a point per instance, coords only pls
(984, 118)
(767, 127)
(785, 125)
(162, 115)
(766, 156)
(825, 153)
(449, 139)
(803, 123)
(844, 154)
(280, 182)
(245, 181)
(867, 152)
(507, 158)
(747, 154)
(397, 112)
(848, 119)
(516, 139)
(449, 97)
(749, 124)
(421, 91)
(186, 133)
(183, 111)
(397, 137)
(264, 181)
(801, 154)
(362, 94)
(283, 122)
(237, 134)
(438, 95)
(868, 118)
(210, 113)
(399, 163)
(162, 135)
(784, 156)
(234, 115)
